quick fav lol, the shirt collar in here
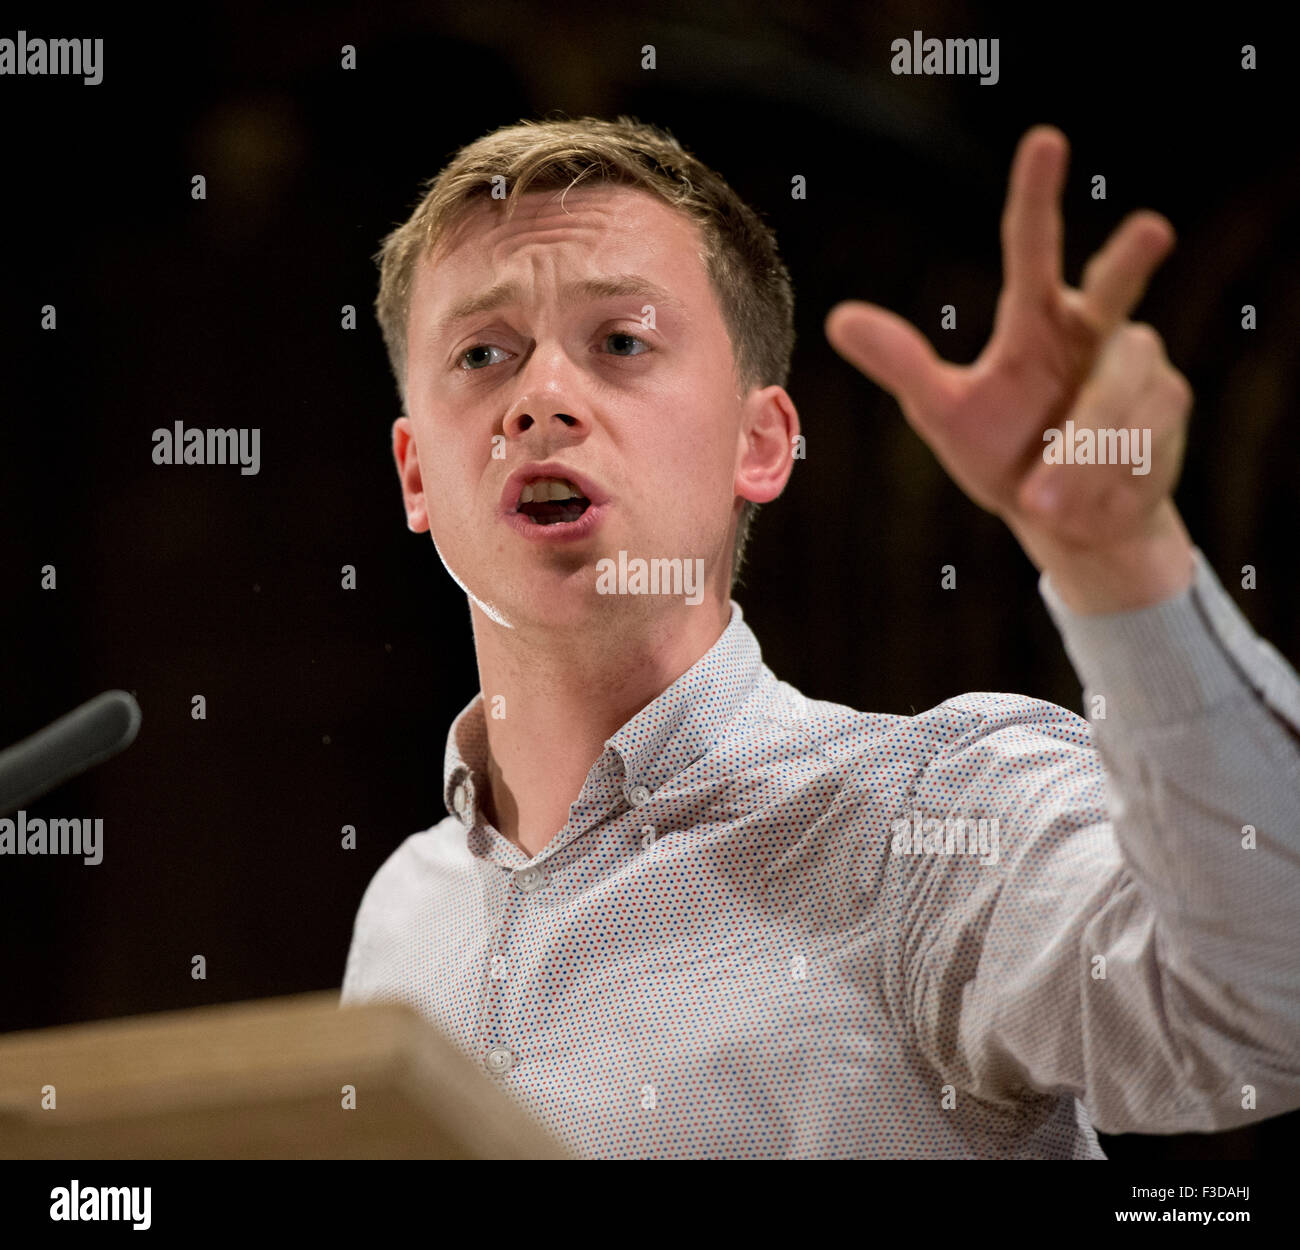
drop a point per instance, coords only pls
(662, 740)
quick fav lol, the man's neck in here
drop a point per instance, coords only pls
(552, 700)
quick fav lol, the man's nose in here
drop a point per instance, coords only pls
(541, 414)
(550, 398)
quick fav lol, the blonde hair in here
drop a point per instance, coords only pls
(740, 253)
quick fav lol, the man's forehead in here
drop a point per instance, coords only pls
(588, 243)
(596, 219)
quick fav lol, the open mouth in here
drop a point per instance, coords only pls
(552, 501)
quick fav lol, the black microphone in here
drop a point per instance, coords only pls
(86, 736)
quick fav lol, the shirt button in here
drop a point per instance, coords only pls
(499, 1059)
(498, 970)
(460, 801)
(638, 796)
(530, 879)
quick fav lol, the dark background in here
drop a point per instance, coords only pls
(329, 707)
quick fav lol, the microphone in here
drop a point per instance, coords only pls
(86, 736)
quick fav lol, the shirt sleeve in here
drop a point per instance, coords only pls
(1135, 942)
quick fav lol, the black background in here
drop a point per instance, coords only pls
(329, 707)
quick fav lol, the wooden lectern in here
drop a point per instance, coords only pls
(258, 1080)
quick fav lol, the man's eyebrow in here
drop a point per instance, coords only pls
(627, 284)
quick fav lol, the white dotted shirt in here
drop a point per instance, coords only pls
(779, 927)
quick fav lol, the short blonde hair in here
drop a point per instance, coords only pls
(740, 253)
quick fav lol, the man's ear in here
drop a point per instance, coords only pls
(407, 458)
(769, 433)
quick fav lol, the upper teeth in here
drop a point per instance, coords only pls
(548, 488)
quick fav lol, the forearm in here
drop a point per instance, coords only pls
(1197, 728)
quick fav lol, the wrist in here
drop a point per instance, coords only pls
(1126, 576)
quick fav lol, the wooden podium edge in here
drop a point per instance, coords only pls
(203, 1061)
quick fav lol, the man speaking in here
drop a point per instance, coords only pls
(679, 909)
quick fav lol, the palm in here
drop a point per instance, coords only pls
(985, 421)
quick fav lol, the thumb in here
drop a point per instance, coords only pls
(889, 350)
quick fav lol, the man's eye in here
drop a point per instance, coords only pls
(626, 345)
(480, 355)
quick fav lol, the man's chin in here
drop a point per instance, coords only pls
(546, 594)
(560, 596)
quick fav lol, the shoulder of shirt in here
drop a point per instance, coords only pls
(441, 845)
(838, 731)
(967, 718)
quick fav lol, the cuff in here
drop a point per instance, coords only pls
(1174, 659)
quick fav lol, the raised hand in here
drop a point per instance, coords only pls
(1109, 538)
